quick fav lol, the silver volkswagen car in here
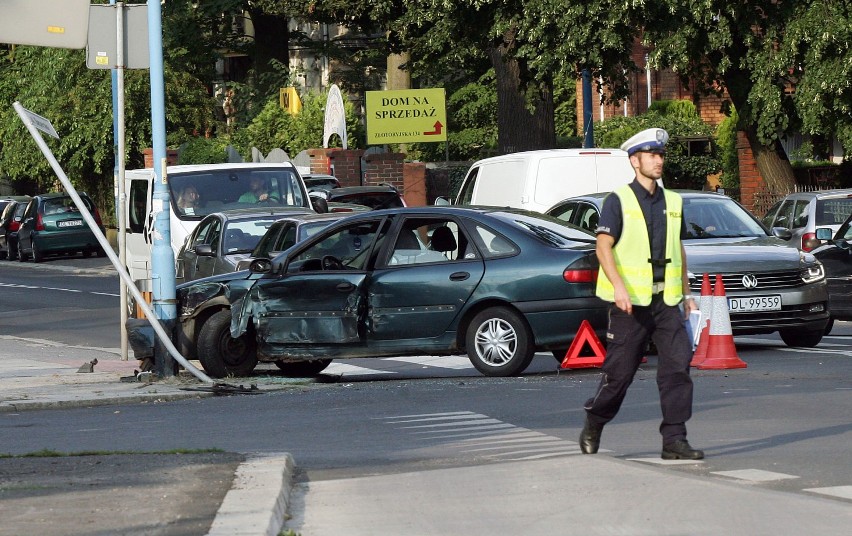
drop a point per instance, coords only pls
(770, 286)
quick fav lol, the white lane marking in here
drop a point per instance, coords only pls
(59, 289)
(843, 492)
(346, 369)
(425, 415)
(449, 362)
(660, 461)
(482, 436)
(754, 475)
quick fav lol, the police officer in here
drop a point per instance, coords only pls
(643, 274)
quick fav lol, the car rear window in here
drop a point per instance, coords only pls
(376, 200)
(833, 211)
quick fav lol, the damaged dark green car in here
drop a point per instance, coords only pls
(498, 284)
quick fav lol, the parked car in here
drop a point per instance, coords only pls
(803, 213)
(10, 219)
(497, 284)
(222, 239)
(770, 286)
(287, 232)
(320, 181)
(375, 197)
(835, 254)
(53, 225)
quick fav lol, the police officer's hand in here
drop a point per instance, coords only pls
(689, 305)
(622, 299)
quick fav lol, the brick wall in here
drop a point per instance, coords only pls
(751, 181)
(319, 161)
(171, 157)
(346, 165)
(665, 85)
(385, 168)
(414, 180)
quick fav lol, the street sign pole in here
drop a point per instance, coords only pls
(121, 207)
(162, 256)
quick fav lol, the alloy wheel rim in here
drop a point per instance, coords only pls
(496, 342)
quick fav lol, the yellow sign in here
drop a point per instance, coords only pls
(406, 115)
(289, 100)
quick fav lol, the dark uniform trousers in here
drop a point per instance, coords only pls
(626, 343)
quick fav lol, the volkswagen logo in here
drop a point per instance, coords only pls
(750, 281)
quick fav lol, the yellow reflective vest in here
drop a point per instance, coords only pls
(633, 251)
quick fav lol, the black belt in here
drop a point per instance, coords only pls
(659, 262)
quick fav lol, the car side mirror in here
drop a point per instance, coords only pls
(204, 250)
(782, 233)
(823, 233)
(260, 266)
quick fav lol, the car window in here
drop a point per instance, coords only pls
(428, 240)
(243, 235)
(564, 212)
(466, 195)
(800, 214)
(833, 211)
(200, 234)
(348, 245)
(784, 217)
(769, 218)
(495, 244)
(587, 217)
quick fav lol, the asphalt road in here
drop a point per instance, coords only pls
(782, 423)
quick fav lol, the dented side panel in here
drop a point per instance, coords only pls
(298, 309)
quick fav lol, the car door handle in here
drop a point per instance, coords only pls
(345, 287)
(459, 276)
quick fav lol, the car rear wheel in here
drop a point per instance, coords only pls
(499, 342)
(38, 256)
(303, 369)
(222, 355)
(800, 337)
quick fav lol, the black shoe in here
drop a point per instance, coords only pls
(590, 437)
(680, 450)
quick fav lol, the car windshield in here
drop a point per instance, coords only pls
(198, 193)
(718, 217)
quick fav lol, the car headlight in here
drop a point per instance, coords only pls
(813, 273)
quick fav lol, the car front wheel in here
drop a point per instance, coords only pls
(800, 337)
(499, 343)
(303, 369)
(222, 355)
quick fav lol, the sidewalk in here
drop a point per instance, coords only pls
(165, 494)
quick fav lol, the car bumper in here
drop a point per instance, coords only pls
(804, 307)
(554, 323)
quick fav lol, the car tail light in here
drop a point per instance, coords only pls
(338, 209)
(97, 216)
(39, 226)
(14, 225)
(809, 241)
(580, 276)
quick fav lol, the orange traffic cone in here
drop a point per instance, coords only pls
(584, 335)
(705, 305)
(721, 352)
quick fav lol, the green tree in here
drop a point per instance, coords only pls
(274, 128)
(785, 65)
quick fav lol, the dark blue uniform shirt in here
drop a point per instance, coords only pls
(653, 209)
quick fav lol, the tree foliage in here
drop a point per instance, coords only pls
(273, 127)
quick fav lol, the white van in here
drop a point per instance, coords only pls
(537, 180)
(220, 187)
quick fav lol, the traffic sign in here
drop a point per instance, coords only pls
(46, 23)
(406, 115)
(41, 123)
(102, 49)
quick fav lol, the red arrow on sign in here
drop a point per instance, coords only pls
(438, 127)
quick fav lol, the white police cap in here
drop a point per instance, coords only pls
(652, 140)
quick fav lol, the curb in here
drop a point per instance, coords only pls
(16, 407)
(259, 497)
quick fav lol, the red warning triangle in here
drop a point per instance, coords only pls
(584, 335)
